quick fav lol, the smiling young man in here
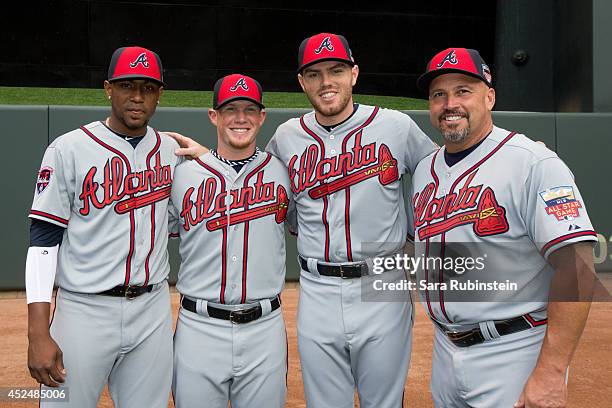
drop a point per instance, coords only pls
(345, 163)
(231, 204)
(99, 220)
(514, 201)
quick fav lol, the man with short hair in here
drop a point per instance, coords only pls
(513, 200)
(99, 219)
(231, 203)
(345, 163)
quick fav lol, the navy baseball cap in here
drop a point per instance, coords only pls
(459, 60)
(135, 63)
(237, 86)
(324, 47)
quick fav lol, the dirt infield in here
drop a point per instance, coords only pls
(590, 381)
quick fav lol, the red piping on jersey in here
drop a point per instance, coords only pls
(533, 322)
(224, 232)
(441, 277)
(324, 214)
(245, 247)
(49, 216)
(149, 157)
(484, 159)
(566, 237)
(436, 183)
(347, 204)
(128, 262)
(465, 173)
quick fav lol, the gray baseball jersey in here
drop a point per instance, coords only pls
(348, 192)
(115, 200)
(231, 227)
(347, 182)
(510, 193)
(222, 251)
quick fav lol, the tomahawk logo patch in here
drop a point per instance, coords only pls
(473, 205)
(241, 83)
(44, 178)
(451, 58)
(561, 202)
(325, 44)
(142, 59)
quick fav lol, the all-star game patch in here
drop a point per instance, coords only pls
(561, 202)
(44, 177)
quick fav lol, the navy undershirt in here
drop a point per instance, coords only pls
(130, 139)
(330, 128)
(46, 234)
(453, 158)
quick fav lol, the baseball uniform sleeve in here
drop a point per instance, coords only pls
(272, 146)
(555, 212)
(45, 234)
(52, 195)
(409, 211)
(417, 144)
(173, 220)
(291, 220)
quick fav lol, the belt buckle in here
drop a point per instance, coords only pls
(342, 273)
(466, 338)
(131, 292)
(242, 316)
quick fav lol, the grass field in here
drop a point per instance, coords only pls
(197, 99)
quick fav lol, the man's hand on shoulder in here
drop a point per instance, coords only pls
(189, 148)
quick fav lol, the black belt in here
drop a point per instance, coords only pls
(346, 271)
(471, 337)
(235, 316)
(129, 292)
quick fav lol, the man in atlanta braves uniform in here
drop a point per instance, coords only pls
(514, 198)
(100, 220)
(230, 343)
(345, 163)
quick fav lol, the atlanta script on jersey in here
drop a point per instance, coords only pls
(227, 222)
(502, 196)
(347, 182)
(109, 192)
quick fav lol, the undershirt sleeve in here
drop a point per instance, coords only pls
(45, 234)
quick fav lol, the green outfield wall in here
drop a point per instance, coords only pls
(583, 141)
